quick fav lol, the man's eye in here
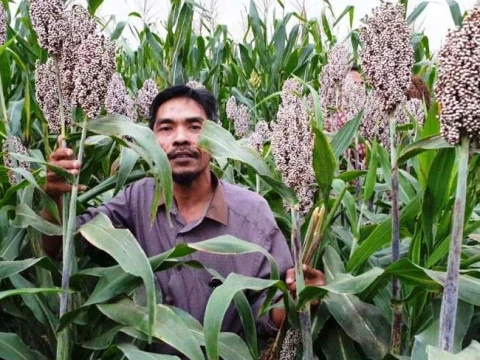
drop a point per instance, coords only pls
(164, 128)
(196, 127)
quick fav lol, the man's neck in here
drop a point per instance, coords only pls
(192, 199)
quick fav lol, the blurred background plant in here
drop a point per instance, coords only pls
(306, 126)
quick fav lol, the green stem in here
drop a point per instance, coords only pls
(305, 320)
(396, 306)
(448, 311)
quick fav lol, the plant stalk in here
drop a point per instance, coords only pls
(448, 311)
(305, 320)
(395, 302)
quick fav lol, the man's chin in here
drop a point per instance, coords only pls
(185, 178)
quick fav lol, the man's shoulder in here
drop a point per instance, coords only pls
(248, 204)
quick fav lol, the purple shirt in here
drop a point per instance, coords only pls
(232, 211)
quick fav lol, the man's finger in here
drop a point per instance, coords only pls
(57, 188)
(61, 154)
(290, 276)
(67, 164)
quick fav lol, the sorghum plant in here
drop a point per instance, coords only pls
(240, 116)
(458, 93)
(387, 60)
(145, 98)
(117, 100)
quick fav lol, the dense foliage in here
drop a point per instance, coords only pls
(328, 183)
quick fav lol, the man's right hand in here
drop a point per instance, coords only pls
(56, 185)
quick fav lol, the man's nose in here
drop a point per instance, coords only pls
(181, 137)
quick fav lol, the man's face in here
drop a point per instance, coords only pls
(177, 127)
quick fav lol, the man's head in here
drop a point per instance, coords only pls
(355, 74)
(177, 117)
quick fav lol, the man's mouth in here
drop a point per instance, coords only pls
(183, 155)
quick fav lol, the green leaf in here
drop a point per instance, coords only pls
(429, 143)
(28, 291)
(470, 353)
(221, 144)
(128, 159)
(124, 248)
(93, 6)
(324, 163)
(167, 327)
(146, 146)
(455, 12)
(26, 217)
(133, 353)
(338, 346)
(417, 12)
(9, 268)
(440, 178)
(343, 284)
(344, 137)
(13, 348)
(381, 236)
(371, 179)
(362, 322)
(219, 301)
(118, 30)
(468, 286)
(431, 334)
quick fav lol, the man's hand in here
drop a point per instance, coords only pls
(56, 185)
(313, 277)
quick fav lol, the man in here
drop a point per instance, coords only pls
(204, 207)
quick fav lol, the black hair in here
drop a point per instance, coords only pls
(355, 68)
(201, 96)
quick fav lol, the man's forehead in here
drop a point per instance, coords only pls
(180, 109)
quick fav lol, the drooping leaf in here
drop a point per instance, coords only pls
(124, 248)
(324, 163)
(167, 326)
(26, 217)
(132, 352)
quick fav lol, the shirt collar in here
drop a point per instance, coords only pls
(218, 207)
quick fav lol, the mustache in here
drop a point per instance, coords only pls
(182, 152)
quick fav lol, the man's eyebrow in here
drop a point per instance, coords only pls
(164, 121)
(194, 119)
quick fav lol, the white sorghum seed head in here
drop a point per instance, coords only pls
(353, 97)
(145, 98)
(263, 129)
(80, 25)
(457, 89)
(49, 23)
(335, 122)
(387, 54)
(117, 100)
(92, 74)
(291, 343)
(413, 109)
(14, 143)
(375, 124)
(256, 141)
(3, 24)
(240, 116)
(46, 93)
(195, 85)
(292, 144)
(332, 78)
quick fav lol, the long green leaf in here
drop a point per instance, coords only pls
(167, 327)
(124, 248)
(146, 146)
(13, 348)
(131, 352)
(470, 353)
(344, 137)
(324, 163)
(26, 217)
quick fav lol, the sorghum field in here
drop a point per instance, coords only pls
(365, 148)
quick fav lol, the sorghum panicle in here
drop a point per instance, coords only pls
(48, 20)
(292, 144)
(353, 97)
(92, 74)
(117, 100)
(3, 24)
(387, 54)
(413, 109)
(46, 93)
(457, 89)
(332, 77)
(290, 345)
(145, 98)
(239, 115)
(13, 142)
(80, 26)
(195, 85)
(375, 124)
